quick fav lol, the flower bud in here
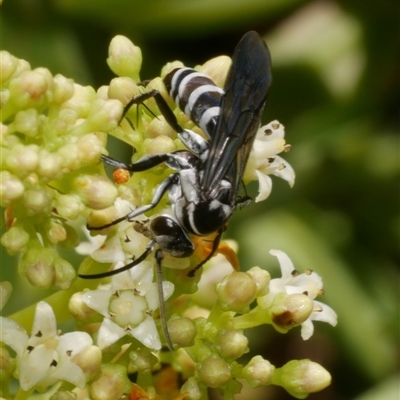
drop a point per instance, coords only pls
(302, 377)
(49, 165)
(231, 344)
(11, 188)
(63, 89)
(214, 372)
(142, 360)
(160, 144)
(37, 265)
(104, 115)
(81, 100)
(217, 69)
(182, 331)
(258, 372)
(262, 278)
(125, 59)
(69, 206)
(64, 273)
(122, 89)
(237, 291)
(5, 293)
(193, 390)
(30, 88)
(111, 384)
(89, 360)
(159, 127)
(15, 239)
(290, 311)
(27, 122)
(96, 192)
(8, 65)
(63, 395)
(23, 159)
(79, 309)
(38, 201)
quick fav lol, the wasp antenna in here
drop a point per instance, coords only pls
(161, 300)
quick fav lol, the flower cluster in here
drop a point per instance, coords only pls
(53, 134)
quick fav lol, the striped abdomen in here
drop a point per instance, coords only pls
(196, 95)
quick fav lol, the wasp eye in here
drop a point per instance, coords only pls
(164, 225)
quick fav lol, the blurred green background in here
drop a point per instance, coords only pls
(336, 80)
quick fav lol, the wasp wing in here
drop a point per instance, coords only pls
(242, 104)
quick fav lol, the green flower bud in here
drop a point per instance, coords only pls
(37, 265)
(63, 89)
(290, 310)
(217, 69)
(80, 310)
(43, 267)
(69, 206)
(23, 159)
(63, 395)
(49, 165)
(112, 383)
(11, 188)
(104, 115)
(182, 331)
(142, 360)
(302, 377)
(5, 293)
(258, 372)
(81, 101)
(193, 390)
(262, 278)
(125, 59)
(159, 145)
(8, 66)
(64, 273)
(38, 201)
(27, 122)
(214, 372)
(15, 239)
(159, 127)
(122, 89)
(237, 291)
(31, 88)
(89, 360)
(96, 192)
(231, 344)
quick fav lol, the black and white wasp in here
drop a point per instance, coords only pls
(204, 189)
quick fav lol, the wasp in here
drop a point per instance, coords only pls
(203, 190)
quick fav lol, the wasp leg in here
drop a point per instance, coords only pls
(149, 249)
(161, 190)
(161, 300)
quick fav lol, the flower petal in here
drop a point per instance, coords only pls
(98, 300)
(109, 333)
(68, 371)
(73, 343)
(13, 335)
(44, 321)
(147, 334)
(264, 186)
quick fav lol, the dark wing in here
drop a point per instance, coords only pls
(246, 90)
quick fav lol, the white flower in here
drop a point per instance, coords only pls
(309, 284)
(128, 306)
(264, 161)
(45, 357)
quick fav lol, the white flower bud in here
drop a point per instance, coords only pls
(122, 89)
(217, 69)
